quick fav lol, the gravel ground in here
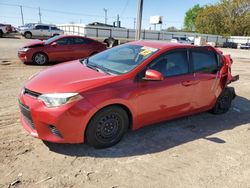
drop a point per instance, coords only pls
(203, 150)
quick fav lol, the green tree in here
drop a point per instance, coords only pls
(228, 17)
(172, 29)
(190, 17)
(210, 21)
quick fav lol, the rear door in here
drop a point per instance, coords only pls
(82, 47)
(205, 67)
(46, 31)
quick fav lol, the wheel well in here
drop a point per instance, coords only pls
(130, 117)
(40, 53)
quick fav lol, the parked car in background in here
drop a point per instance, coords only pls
(230, 45)
(26, 26)
(245, 46)
(41, 31)
(182, 40)
(126, 87)
(4, 29)
(59, 48)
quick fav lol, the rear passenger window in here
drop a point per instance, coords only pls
(171, 64)
(54, 28)
(204, 61)
(63, 41)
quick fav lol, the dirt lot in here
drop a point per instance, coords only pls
(203, 150)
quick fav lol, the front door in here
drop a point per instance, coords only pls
(61, 52)
(171, 97)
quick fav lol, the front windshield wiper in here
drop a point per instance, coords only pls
(94, 66)
(85, 61)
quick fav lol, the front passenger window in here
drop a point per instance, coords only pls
(171, 64)
(63, 41)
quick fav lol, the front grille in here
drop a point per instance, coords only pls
(31, 93)
(55, 131)
(27, 115)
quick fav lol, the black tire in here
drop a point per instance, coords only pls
(28, 35)
(40, 58)
(1, 33)
(107, 127)
(224, 101)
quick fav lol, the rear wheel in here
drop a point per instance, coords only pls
(224, 101)
(28, 35)
(40, 59)
(1, 33)
(107, 127)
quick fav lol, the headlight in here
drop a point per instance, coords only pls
(58, 99)
(23, 49)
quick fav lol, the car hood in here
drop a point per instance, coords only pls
(67, 77)
(34, 43)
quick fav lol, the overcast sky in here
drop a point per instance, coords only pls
(86, 11)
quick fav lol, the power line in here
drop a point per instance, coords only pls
(76, 13)
(124, 8)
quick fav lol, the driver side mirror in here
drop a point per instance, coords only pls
(153, 75)
(54, 44)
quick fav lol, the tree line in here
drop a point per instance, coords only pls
(227, 18)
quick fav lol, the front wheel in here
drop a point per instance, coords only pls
(40, 59)
(107, 127)
(224, 101)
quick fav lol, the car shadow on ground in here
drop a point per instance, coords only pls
(163, 136)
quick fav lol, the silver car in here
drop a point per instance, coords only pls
(41, 31)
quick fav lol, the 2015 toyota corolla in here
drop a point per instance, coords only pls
(127, 87)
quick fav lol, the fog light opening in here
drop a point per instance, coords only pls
(55, 131)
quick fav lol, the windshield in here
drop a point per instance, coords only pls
(51, 39)
(122, 59)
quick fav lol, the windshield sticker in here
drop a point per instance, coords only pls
(147, 50)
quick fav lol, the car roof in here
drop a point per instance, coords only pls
(159, 44)
(76, 36)
(51, 25)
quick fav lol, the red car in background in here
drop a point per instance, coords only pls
(59, 48)
(126, 87)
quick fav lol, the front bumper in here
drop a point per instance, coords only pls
(65, 124)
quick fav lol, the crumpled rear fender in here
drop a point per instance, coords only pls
(226, 71)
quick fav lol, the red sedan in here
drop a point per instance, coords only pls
(126, 87)
(59, 48)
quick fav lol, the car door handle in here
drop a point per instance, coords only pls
(190, 82)
(187, 83)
